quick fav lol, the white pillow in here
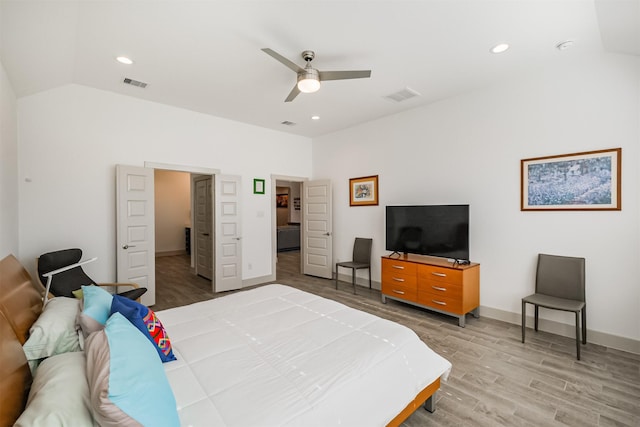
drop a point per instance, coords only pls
(55, 331)
(59, 394)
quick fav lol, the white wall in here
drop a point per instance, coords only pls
(9, 242)
(172, 209)
(468, 149)
(71, 138)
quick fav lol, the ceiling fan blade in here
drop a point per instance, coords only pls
(294, 92)
(290, 64)
(342, 75)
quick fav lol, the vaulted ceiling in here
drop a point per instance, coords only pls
(206, 56)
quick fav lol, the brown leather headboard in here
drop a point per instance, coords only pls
(15, 377)
(20, 306)
(19, 300)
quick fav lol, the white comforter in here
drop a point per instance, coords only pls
(277, 356)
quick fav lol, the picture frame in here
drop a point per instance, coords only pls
(363, 191)
(282, 200)
(585, 181)
(258, 186)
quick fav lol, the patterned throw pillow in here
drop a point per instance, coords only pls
(145, 320)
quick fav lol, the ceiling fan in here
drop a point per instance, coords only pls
(309, 78)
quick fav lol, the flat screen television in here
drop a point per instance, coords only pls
(436, 230)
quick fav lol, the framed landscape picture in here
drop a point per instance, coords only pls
(578, 181)
(363, 191)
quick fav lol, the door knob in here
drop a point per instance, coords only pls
(128, 246)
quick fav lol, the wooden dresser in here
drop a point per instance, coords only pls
(432, 283)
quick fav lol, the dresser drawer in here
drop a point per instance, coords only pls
(450, 305)
(400, 279)
(439, 289)
(398, 266)
(440, 274)
(399, 290)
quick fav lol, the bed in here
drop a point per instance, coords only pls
(273, 355)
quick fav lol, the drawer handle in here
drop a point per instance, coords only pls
(399, 267)
(397, 279)
(438, 288)
(438, 302)
(438, 274)
(398, 292)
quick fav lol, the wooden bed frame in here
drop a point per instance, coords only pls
(20, 306)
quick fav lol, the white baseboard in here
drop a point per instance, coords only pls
(257, 280)
(563, 329)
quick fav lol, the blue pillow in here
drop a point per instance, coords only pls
(145, 320)
(127, 382)
(96, 308)
(97, 303)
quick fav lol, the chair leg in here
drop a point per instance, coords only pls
(578, 334)
(584, 324)
(336, 276)
(369, 277)
(535, 318)
(353, 279)
(524, 318)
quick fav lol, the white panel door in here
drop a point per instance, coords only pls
(317, 250)
(135, 229)
(228, 237)
(203, 227)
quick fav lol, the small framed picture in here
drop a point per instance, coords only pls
(363, 191)
(282, 200)
(258, 186)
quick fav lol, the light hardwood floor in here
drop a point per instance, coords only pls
(496, 380)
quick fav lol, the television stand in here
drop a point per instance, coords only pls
(432, 283)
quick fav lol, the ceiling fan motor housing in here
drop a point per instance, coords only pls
(308, 80)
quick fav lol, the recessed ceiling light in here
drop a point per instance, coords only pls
(315, 117)
(565, 45)
(124, 60)
(499, 48)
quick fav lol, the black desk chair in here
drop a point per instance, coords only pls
(361, 259)
(560, 285)
(61, 273)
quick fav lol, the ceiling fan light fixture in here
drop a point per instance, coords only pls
(309, 81)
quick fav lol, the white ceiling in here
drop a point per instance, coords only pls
(205, 55)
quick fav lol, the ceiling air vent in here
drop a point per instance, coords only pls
(402, 95)
(132, 82)
(287, 123)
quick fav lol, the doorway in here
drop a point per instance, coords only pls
(180, 253)
(287, 213)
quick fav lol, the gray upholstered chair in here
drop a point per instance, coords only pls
(560, 285)
(361, 259)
